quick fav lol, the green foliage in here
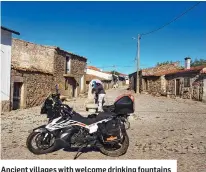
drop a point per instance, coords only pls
(164, 63)
(115, 72)
(198, 62)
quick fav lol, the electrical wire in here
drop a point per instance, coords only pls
(182, 14)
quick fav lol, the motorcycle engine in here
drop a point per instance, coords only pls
(79, 137)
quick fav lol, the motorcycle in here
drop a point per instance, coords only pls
(105, 131)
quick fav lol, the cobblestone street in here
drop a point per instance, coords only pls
(162, 128)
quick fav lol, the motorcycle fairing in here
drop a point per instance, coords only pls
(90, 123)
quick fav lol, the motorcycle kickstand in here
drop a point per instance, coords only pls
(77, 154)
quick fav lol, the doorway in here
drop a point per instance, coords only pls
(177, 87)
(74, 88)
(17, 95)
(146, 84)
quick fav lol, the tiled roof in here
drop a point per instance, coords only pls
(72, 53)
(122, 74)
(201, 69)
(93, 68)
(160, 70)
(91, 77)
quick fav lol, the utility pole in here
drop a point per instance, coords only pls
(138, 64)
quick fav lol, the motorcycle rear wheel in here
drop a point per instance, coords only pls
(38, 151)
(116, 152)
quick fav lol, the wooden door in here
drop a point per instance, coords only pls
(177, 87)
(17, 95)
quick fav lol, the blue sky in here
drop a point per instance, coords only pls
(103, 31)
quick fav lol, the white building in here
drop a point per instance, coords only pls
(91, 70)
(6, 41)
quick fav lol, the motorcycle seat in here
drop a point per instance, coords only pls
(89, 121)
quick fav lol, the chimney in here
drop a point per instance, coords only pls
(187, 62)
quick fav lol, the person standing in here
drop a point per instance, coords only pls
(100, 94)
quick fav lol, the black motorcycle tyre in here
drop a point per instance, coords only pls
(38, 151)
(119, 152)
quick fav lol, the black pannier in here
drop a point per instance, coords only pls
(110, 131)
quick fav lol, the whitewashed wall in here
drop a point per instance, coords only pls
(99, 74)
(5, 64)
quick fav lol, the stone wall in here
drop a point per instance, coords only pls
(197, 88)
(170, 88)
(29, 55)
(73, 80)
(59, 71)
(36, 87)
(5, 106)
(194, 91)
(41, 68)
(154, 85)
(204, 88)
(78, 65)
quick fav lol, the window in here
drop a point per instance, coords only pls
(186, 82)
(68, 61)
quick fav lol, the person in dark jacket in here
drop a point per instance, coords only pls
(100, 94)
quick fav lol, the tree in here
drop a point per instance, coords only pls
(115, 72)
(164, 63)
(197, 62)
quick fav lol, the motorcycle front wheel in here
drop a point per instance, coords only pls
(116, 150)
(43, 143)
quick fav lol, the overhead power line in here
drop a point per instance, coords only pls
(112, 66)
(189, 9)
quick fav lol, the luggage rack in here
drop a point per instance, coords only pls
(109, 108)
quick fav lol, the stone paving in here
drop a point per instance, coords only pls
(163, 128)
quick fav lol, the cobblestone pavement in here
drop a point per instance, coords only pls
(162, 128)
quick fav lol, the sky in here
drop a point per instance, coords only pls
(103, 31)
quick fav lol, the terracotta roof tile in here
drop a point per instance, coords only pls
(160, 69)
(91, 77)
(93, 68)
(200, 69)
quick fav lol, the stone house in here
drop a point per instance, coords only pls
(150, 79)
(36, 69)
(172, 81)
(6, 43)
(189, 83)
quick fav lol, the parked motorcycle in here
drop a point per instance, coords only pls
(105, 131)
